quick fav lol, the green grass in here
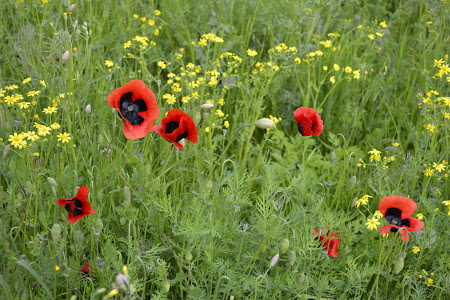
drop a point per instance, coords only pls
(175, 217)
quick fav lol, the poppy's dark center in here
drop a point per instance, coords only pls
(130, 109)
(300, 128)
(393, 216)
(182, 136)
(171, 126)
(67, 207)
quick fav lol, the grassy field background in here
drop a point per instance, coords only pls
(208, 221)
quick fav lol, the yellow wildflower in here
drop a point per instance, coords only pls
(372, 223)
(49, 110)
(415, 249)
(251, 53)
(64, 137)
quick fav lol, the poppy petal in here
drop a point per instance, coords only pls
(308, 121)
(176, 126)
(406, 205)
(414, 224)
(82, 194)
(63, 202)
(332, 249)
(387, 228)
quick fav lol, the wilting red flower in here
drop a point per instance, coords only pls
(137, 107)
(78, 206)
(85, 269)
(176, 126)
(308, 121)
(329, 242)
(397, 210)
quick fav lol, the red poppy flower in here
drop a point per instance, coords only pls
(78, 206)
(329, 242)
(176, 126)
(308, 121)
(137, 107)
(85, 269)
(397, 210)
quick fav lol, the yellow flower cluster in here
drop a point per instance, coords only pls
(443, 67)
(203, 41)
(364, 200)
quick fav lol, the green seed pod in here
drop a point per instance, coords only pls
(188, 257)
(333, 158)
(399, 262)
(99, 197)
(98, 224)
(301, 279)
(6, 150)
(197, 118)
(167, 286)
(352, 182)
(127, 194)
(56, 232)
(51, 181)
(291, 257)
(284, 245)
(78, 238)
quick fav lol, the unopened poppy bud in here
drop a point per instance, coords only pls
(301, 279)
(19, 199)
(71, 8)
(351, 182)
(51, 181)
(182, 142)
(167, 286)
(207, 106)
(101, 291)
(127, 194)
(291, 257)
(6, 150)
(78, 238)
(99, 196)
(197, 118)
(188, 257)
(98, 224)
(274, 260)
(399, 262)
(88, 109)
(333, 158)
(65, 57)
(284, 245)
(73, 297)
(122, 282)
(264, 123)
(56, 232)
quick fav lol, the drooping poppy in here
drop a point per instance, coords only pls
(329, 242)
(397, 210)
(136, 105)
(85, 269)
(78, 206)
(176, 126)
(308, 121)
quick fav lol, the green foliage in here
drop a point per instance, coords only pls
(205, 222)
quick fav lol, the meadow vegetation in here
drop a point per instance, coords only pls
(246, 212)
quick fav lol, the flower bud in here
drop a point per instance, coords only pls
(65, 57)
(399, 262)
(209, 186)
(74, 297)
(101, 291)
(301, 279)
(284, 245)
(182, 142)
(291, 257)
(197, 118)
(188, 257)
(351, 182)
(88, 109)
(111, 294)
(127, 194)
(207, 106)
(333, 158)
(122, 282)
(71, 8)
(274, 260)
(51, 181)
(6, 150)
(78, 238)
(98, 224)
(167, 286)
(56, 232)
(264, 123)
